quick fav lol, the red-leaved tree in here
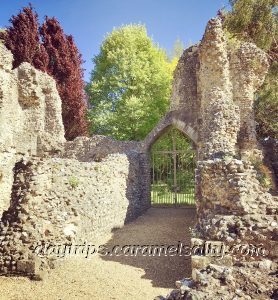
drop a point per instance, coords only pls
(23, 39)
(65, 66)
(48, 49)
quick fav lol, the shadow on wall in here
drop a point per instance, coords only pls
(159, 226)
(137, 185)
(20, 184)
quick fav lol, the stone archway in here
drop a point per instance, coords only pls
(176, 118)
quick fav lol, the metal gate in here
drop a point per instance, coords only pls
(173, 182)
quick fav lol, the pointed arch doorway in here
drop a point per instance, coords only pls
(173, 170)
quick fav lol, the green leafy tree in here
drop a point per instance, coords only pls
(162, 155)
(256, 21)
(266, 105)
(130, 84)
(177, 49)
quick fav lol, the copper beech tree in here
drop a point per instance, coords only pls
(50, 50)
(23, 39)
(64, 65)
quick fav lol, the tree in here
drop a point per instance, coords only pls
(266, 105)
(48, 49)
(130, 84)
(177, 49)
(23, 39)
(176, 53)
(256, 21)
(65, 66)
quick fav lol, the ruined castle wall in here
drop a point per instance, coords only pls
(53, 191)
(97, 147)
(253, 65)
(240, 209)
(184, 90)
(64, 201)
(234, 209)
(30, 117)
(214, 86)
(219, 114)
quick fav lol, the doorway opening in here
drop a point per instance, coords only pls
(173, 170)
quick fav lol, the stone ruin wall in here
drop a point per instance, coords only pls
(63, 201)
(214, 84)
(53, 191)
(233, 208)
(30, 118)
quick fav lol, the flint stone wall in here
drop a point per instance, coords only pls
(240, 210)
(220, 77)
(56, 191)
(97, 147)
(213, 92)
(63, 201)
(30, 118)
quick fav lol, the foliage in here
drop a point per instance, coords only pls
(256, 21)
(266, 105)
(165, 142)
(74, 182)
(65, 66)
(23, 39)
(263, 174)
(162, 167)
(176, 52)
(57, 55)
(130, 84)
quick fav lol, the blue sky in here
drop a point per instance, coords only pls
(90, 20)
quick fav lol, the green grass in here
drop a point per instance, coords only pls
(167, 198)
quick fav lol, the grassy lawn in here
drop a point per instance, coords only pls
(167, 198)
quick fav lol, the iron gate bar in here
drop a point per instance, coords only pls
(175, 168)
(168, 186)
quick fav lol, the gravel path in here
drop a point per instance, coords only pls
(116, 277)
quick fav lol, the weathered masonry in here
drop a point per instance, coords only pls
(58, 191)
(53, 191)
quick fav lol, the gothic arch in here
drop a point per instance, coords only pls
(175, 119)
